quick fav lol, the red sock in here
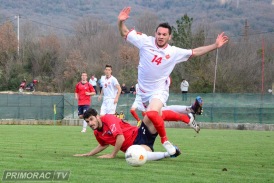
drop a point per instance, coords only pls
(134, 114)
(158, 123)
(169, 115)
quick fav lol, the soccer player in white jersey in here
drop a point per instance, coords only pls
(111, 91)
(157, 60)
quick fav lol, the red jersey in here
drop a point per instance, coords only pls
(81, 90)
(113, 126)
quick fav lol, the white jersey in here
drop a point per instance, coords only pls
(109, 87)
(155, 63)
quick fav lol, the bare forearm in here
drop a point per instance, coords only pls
(204, 49)
(122, 28)
(119, 142)
(96, 150)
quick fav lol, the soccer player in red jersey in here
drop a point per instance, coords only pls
(110, 130)
(157, 60)
(83, 91)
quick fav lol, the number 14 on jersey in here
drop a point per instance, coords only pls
(157, 60)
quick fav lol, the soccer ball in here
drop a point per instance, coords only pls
(136, 155)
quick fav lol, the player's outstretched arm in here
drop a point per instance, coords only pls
(124, 15)
(220, 41)
(96, 150)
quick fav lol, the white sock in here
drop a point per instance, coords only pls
(84, 124)
(152, 156)
(182, 109)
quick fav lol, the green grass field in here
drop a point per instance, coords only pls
(211, 156)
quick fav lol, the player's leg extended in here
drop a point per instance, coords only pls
(196, 108)
(169, 115)
(154, 156)
(146, 139)
(182, 109)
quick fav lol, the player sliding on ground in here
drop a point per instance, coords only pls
(157, 60)
(110, 130)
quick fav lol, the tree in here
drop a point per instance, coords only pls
(182, 34)
(146, 23)
(195, 70)
(75, 64)
(8, 54)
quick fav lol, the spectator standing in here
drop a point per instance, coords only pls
(184, 89)
(93, 82)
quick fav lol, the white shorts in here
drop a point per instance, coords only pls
(108, 106)
(147, 97)
(138, 104)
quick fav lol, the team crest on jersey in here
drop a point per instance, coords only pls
(113, 128)
(167, 56)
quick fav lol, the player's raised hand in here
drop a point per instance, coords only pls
(221, 40)
(124, 14)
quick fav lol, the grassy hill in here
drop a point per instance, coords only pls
(226, 15)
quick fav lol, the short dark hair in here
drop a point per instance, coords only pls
(165, 25)
(108, 65)
(90, 112)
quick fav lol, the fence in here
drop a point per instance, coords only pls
(235, 108)
(31, 106)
